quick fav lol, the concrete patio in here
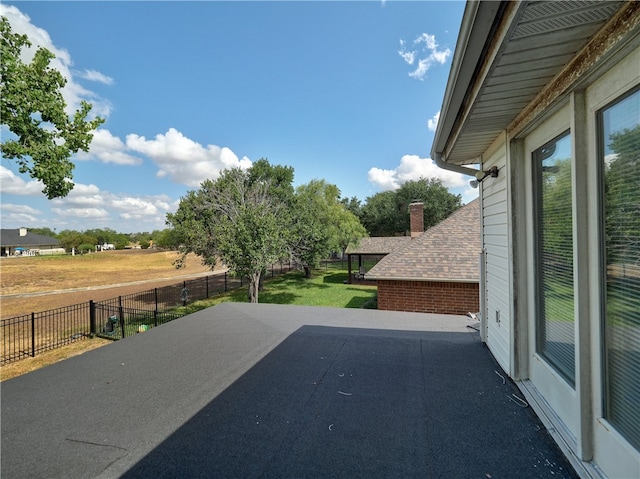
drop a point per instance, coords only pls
(248, 391)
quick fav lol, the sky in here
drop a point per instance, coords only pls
(348, 92)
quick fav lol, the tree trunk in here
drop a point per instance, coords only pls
(307, 271)
(254, 286)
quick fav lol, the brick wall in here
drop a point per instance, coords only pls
(429, 297)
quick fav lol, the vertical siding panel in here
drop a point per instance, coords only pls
(495, 237)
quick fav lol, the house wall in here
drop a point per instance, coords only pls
(573, 413)
(428, 297)
(496, 312)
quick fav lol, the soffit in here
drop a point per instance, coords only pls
(542, 38)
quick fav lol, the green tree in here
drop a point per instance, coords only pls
(70, 239)
(236, 219)
(353, 205)
(167, 238)
(33, 109)
(320, 224)
(44, 232)
(379, 214)
(387, 213)
(86, 248)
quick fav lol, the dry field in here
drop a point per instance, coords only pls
(68, 280)
(40, 283)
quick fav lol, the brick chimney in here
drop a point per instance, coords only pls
(416, 215)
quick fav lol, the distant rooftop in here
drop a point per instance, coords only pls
(22, 237)
(447, 251)
(378, 245)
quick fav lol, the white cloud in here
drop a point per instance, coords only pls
(19, 214)
(469, 194)
(93, 75)
(432, 123)
(108, 149)
(183, 160)
(96, 207)
(82, 213)
(22, 209)
(13, 184)
(408, 57)
(72, 92)
(426, 52)
(412, 167)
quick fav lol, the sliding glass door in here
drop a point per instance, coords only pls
(619, 132)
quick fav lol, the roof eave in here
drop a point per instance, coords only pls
(421, 279)
(477, 25)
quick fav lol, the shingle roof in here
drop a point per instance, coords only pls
(12, 238)
(378, 245)
(447, 251)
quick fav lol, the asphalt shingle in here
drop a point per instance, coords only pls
(447, 251)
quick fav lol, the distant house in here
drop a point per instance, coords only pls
(544, 97)
(436, 271)
(16, 242)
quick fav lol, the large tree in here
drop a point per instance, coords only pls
(33, 109)
(320, 224)
(237, 219)
(387, 213)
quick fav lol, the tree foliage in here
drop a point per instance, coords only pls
(253, 218)
(320, 224)
(33, 109)
(237, 218)
(387, 213)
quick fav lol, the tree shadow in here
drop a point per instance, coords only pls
(357, 301)
(335, 278)
(277, 298)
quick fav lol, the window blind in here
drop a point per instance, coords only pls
(620, 159)
(555, 339)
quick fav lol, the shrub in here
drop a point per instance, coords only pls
(86, 248)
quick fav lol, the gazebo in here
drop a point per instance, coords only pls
(374, 247)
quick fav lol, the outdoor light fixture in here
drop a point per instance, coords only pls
(481, 175)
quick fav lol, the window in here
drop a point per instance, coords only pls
(619, 132)
(555, 338)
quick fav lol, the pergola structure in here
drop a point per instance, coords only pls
(372, 247)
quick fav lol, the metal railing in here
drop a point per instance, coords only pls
(115, 318)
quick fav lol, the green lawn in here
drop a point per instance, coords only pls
(326, 287)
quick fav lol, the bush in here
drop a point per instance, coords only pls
(85, 248)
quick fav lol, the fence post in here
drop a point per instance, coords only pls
(92, 318)
(121, 314)
(155, 311)
(33, 334)
(184, 293)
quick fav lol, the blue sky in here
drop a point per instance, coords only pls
(349, 92)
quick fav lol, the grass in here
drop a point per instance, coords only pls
(326, 288)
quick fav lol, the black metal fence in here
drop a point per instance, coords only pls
(115, 318)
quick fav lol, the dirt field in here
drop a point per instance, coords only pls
(68, 280)
(41, 283)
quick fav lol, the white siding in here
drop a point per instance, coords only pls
(495, 236)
